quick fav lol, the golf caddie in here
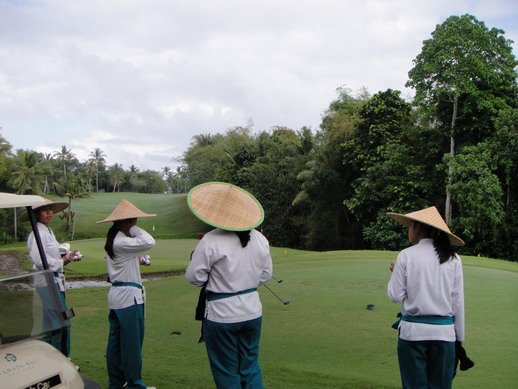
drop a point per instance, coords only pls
(232, 260)
(427, 279)
(56, 260)
(126, 298)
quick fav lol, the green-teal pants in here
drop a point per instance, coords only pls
(61, 338)
(124, 351)
(426, 364)
(233, 350)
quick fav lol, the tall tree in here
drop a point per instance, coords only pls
(116, 174)
(464, 71)
(64, 156)
(28, 175)
(97, 157)
(325, 182)
(73, 187)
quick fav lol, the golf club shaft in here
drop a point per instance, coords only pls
(266, 286)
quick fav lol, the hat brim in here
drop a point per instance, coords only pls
(225, 206)
(407, 220)
(125, 210)
(114, 219)
(56, 207)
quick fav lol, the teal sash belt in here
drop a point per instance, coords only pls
(432, 319)
(120, 283)
(211, 296)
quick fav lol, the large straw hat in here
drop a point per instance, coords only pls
(225, 206)
(125, 210)
(429, 216)
(56, 206)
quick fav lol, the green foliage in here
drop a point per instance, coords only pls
(478, 194)
(28, 174)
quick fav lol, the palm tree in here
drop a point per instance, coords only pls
(88, 172)
(29, 173)
(74, 188)
(202, 140)
(64, 156)
(47, 169)
(27, 177)
(116, 173)
(98, 159)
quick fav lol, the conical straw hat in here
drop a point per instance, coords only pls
(225, 206)
(125, 210)
(429, 216)
(57, 206)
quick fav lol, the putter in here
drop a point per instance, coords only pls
(285, 302)
(276, 279)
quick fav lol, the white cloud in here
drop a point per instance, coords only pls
(139, 78)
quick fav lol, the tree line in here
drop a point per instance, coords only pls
(62, 174)
(454, 145)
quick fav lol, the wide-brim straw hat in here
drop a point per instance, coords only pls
(429, 216)
(125, 210)
(56, 206)
(225, 206)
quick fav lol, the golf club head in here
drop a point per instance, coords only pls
(279, 281)
(286, 302)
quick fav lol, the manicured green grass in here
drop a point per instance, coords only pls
(325, 337)
(173, 220)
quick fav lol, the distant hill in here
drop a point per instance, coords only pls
(173, 220)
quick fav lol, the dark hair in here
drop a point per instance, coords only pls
(110, 236)
(244, 237)
(441, 242)
(442, 245)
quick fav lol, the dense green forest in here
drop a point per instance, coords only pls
(454, 145)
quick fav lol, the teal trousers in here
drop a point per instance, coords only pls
(60, 339)
(124, 351)
(426, 364)
(233, 351)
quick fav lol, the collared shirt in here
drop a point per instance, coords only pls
(124, 267)
(232, 268)
(426, 287)
(51, 248)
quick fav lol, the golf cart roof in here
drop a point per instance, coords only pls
(10, 200)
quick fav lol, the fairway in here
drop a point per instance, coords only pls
(325, 337)
(173, 217)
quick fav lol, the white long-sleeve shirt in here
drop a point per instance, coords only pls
(124, 267)
(51, 248)
(232, 268)
(426, 287)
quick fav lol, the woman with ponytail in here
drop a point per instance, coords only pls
(232, 260)
(125, 242)
(427, 279)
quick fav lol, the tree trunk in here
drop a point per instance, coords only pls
(447, 207)
(15, 226)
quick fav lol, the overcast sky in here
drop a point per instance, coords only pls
(139, 78)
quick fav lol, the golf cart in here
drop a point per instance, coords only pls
(30, 309)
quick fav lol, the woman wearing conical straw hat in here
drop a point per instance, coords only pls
(427, 279)
(124, 242)
(233, 260)
(56, 260)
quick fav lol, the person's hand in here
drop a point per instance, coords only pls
(391, 266)
(75, 256)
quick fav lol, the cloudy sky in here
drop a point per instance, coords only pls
(139, 78)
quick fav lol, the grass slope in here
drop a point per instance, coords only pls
(325, 337)
(173, 220)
